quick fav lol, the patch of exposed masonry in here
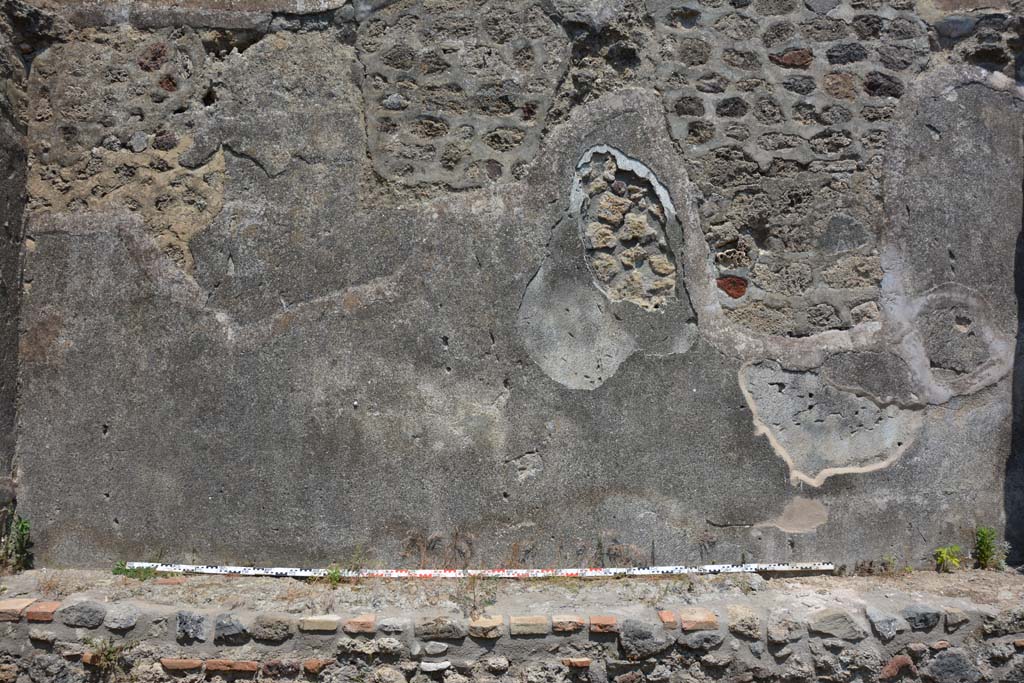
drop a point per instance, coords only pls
(623, 212)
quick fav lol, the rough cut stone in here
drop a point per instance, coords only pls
(744, 622)
(835, 623)
(273, 628)
(533, 625)
(441, 628)
(191, 627)
(228, 630)
(394, 625)
(488, 627)
(121, 617)
(921, 617)
(639, 640)
(320, 624)
(700, 640)
(82, 615)
(885, 625)
(952, 666)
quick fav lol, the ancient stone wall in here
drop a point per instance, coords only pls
(676, 630)
(487, 282)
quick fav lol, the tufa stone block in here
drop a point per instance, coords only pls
(327, 623)
(486, 627)
(698, 619)
(531, 625)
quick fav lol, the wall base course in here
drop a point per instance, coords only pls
(988, 638)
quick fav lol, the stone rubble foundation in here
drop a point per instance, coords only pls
(754, 633)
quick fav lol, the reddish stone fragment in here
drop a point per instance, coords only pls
(153, 57)
(168, 83)
(732, 285)
(793, 58)
(895, 666)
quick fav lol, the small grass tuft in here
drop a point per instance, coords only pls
(140, 573)
(947, 558)
(989, 552)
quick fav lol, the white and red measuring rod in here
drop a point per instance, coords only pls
(584, 573)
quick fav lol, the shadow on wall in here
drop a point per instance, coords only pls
(1013, 486)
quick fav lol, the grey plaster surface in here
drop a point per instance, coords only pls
(296, 292)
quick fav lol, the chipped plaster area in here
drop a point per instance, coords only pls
(106, 134)
(800, 516)
(821, 431)
(174, 203)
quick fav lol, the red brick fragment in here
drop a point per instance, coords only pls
(603, 623)
(231, 666)
(668, 619)
(313, 667)
(732, 285)
(12, 609)
(170, 580)
(91, 659)
(364, 623)
(42, 612)
(576, 662)
(175, 664)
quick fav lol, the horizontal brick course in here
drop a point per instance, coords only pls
(42, 612)
(320, 624)
(576, 662)
(313, 667)
(12, 609)
(529, 625)
(698, 619)
(567, 623)
(364, 623)
(231, 666)
(174, 664)
(603, 623)
(487, 627)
